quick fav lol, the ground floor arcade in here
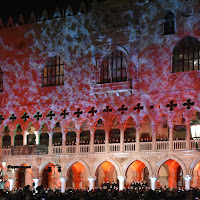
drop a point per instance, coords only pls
(81, 172)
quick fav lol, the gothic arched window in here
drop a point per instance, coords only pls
(186, 56)
(53, 73)
(1, 80)
(113, 68)
(169, 24)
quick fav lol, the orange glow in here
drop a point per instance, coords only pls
(79, 167)
(107, 166)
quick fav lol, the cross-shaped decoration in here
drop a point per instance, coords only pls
(107, 109)
(37, 115)
(122, 109)
(12, 117)
(50, 114)
(1, 118)
(78, 112)
(138, 107)
(92, 111)
(151, 107)
(25, 116)
(171, 105)
(188, 103)
(64, 114)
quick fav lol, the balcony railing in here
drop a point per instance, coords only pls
(162, 145)
(114, 147)
(179, 144)
(98, 148)
(129, 147)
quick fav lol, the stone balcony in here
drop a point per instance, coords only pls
(178, 145)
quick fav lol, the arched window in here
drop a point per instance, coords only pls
(113, 68)
(54, 72)
(1, 80)
(186, 56)
(169, 24)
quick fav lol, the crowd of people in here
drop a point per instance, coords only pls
(101, 194)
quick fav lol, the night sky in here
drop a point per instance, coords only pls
(25, 7)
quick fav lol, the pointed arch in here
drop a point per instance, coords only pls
(169, 24)
(44, 164)
(130, 161)
(171, 157)
(98, 163)
(69, 164)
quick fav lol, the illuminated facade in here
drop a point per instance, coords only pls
(106, 94)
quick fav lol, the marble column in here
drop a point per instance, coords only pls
(107, 130)
(36, 182)
(171, 131)
(11, 184)
(50, 151)
(137, 139)
(154, 127)
(37, 137)
(91, 182)
(188, 135)
(122, 129)
(153, 180)
(92, 134)
(121, 182)
(187, 179)
(63, 183)
(78, 132)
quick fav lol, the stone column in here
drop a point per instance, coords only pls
(63, 183)
(91, 182)
(137, 139)
(171, 127)
(1, 145)
(12, 140)
(187, 179)
(153, 180)
(188, 135)
(154, 127)
(121, 182)
(107, 129)
(37, 137)
(25, 138)
(36, 182)
(63, 143)
(92, 132)
(50, 144)
(11, 184)
(78, 132)
(122, 129)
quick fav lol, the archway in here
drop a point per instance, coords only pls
(137, 172)
(6, 141)
(44, 139)
(105, 173)
(50, 176)
(170, 174)
(77, 176)
(24, 176)
(196, 174)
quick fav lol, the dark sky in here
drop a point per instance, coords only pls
(16, 7)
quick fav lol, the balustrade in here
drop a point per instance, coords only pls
(98, 148)
(114, 147)
(179, 144)
(129, 147)
(101, 148)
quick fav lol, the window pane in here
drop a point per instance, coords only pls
(53, 68)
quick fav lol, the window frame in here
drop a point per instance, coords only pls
(185, 54)
(170, 23)
(53, 72)
(111, 71)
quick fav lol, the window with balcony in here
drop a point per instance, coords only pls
(114, 68)
(186, 55)
(169, 24)
(53, 73)
(1, 80)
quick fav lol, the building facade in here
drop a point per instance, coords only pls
(106, 94)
